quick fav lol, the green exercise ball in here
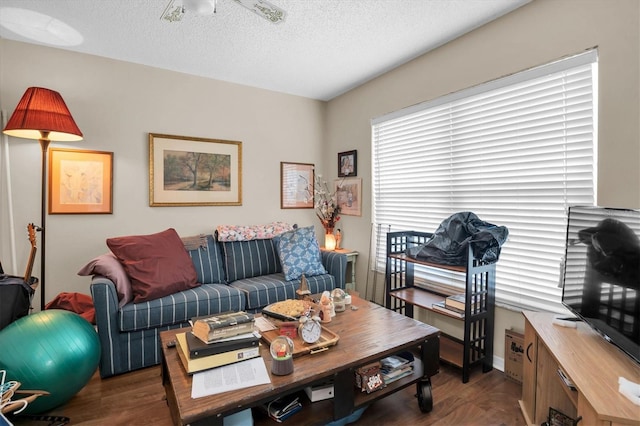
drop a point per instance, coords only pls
(54, 350)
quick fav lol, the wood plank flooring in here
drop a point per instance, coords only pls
(138, 398)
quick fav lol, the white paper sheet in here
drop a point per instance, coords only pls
(230, 377)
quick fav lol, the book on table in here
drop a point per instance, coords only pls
(397, 374)
(458, 301)
(442, 307)
(219, 326)
(199, 349)
(194, 365)
(396, 361)
(396, 366)
(282, 408)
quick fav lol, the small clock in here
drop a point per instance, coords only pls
(310, 329)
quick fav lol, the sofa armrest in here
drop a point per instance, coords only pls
(105, 296)
(336, 265)
(105, 302)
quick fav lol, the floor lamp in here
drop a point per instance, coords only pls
(42, 114)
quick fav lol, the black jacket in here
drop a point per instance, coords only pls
(449, 244)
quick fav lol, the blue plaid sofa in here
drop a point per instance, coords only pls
(236, 275)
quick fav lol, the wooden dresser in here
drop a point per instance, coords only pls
(588, 360)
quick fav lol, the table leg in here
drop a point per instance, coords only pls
(343, 397)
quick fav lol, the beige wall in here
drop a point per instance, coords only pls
(116, 104)
(540, 32)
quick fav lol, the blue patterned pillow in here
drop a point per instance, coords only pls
(299, 253)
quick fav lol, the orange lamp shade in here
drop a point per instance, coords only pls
(42, 111)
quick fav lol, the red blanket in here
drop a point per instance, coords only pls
(79, 303)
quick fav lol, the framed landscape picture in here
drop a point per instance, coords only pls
(189, 171)
(80, 181)
(296, 185)
(349, 194)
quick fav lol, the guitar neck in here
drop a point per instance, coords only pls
(31, 229)
(27, 272)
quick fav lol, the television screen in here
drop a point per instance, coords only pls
(601, 278)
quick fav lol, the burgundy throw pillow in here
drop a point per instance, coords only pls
(157, 264)
(109, 266)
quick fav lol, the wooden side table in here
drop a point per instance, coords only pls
(352, 256)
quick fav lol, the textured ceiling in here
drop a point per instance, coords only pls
(321, 50)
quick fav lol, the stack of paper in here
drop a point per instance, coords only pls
(396, 366)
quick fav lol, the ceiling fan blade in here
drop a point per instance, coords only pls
(264, 9)
(173, 12)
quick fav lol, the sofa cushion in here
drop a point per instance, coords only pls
(264, 290)
(108, 266)
(247, 259)
(299, 253)
(319, 283)
(178, 308)
(157, 264)
(207, 261)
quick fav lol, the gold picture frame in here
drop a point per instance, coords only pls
(191, 171)
(296, 185)
(349, 196)
(80, 181)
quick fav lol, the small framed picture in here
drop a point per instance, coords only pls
(348, 163)
(349, 195)
(296, 185)
(80, 181)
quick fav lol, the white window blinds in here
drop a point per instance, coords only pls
(516, 151)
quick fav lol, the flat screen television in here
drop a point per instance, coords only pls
(601, 280)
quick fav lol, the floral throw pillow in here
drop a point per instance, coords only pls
(299, 253)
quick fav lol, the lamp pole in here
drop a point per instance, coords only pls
(44, 144)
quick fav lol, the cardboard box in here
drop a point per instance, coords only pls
(319, 392)
(513, 353)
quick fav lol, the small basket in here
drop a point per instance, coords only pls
(558, 418)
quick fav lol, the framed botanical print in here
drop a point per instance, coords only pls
(296, 185)
(80, 181)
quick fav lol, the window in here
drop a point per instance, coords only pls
(515, 151)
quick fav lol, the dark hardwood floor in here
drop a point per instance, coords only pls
(487, 399)
(137, 398)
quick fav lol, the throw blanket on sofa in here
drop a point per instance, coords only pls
(251, 232)
(195, 242)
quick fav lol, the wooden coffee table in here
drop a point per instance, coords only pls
(367, 334)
